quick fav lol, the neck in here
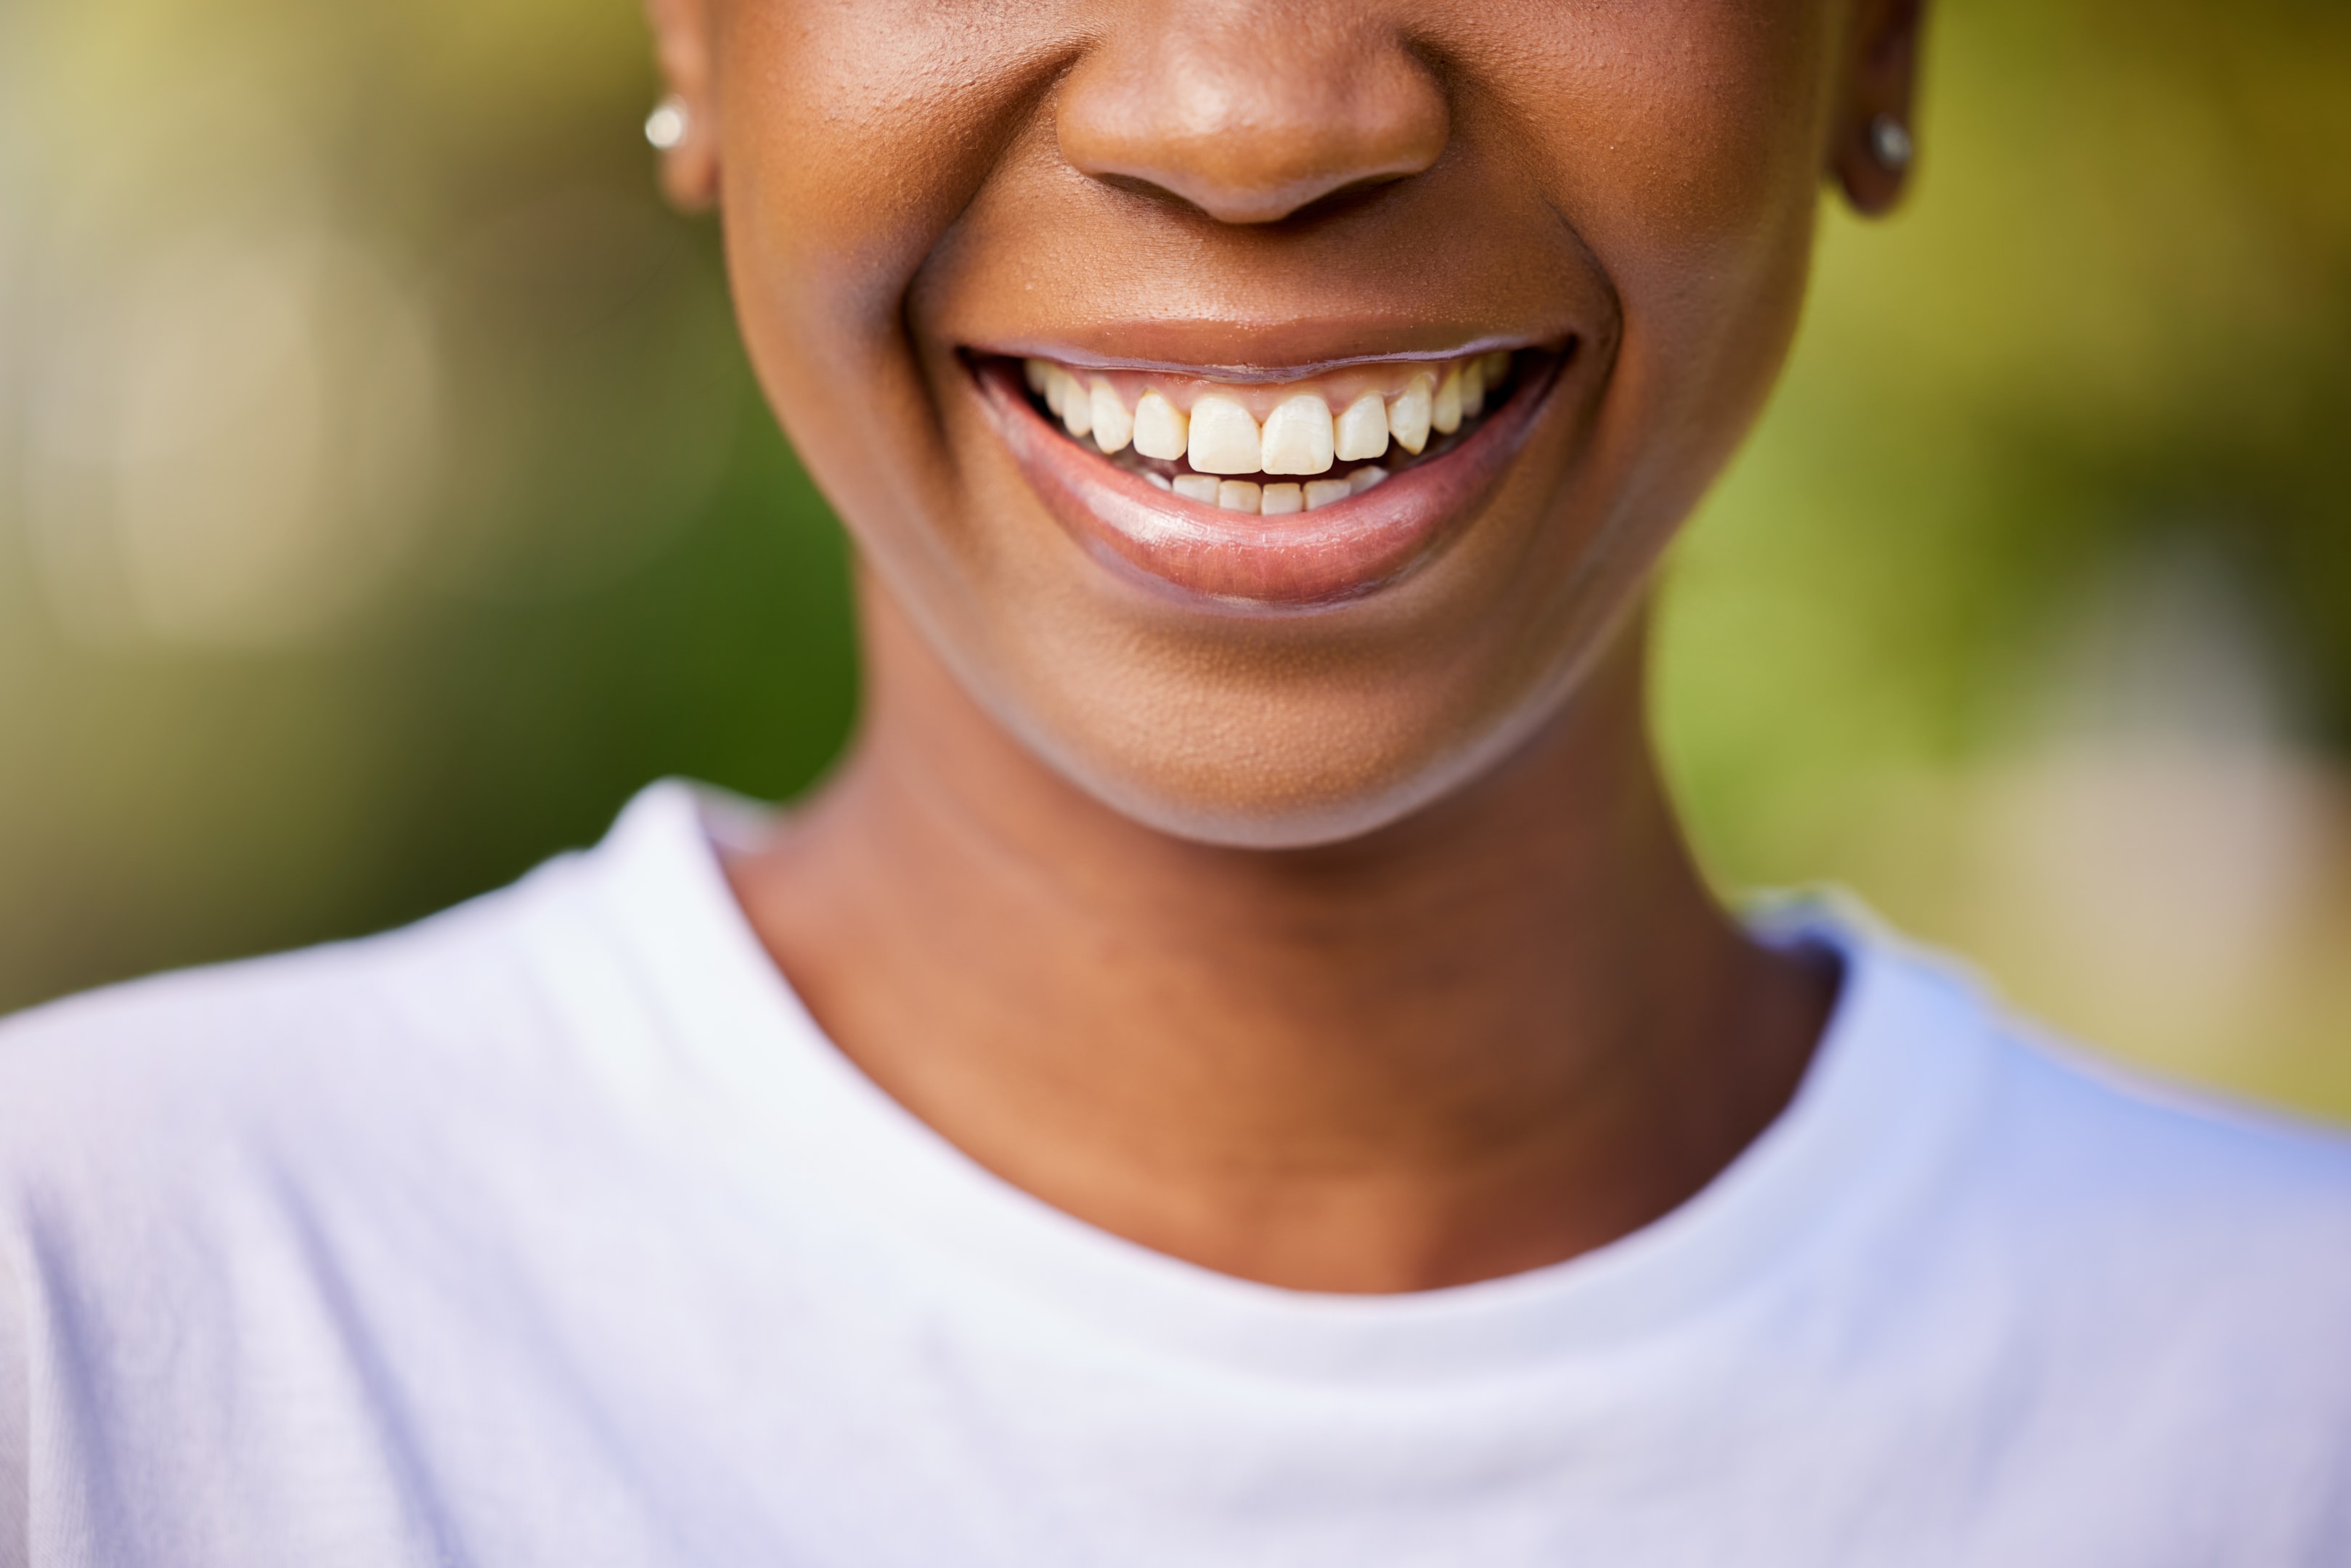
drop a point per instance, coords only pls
(1501, 1032)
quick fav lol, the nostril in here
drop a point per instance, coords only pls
(1249, 133)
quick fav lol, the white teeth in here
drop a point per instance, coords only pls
(1161, 429)
(1298, 436)
(1070, 400)
(1113, 426)
(1408, 415)
(1157, 481)
(1363, 430)
(1444, 410)
(1268, 500)
(1225, 439)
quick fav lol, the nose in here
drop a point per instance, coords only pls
(1251, 111)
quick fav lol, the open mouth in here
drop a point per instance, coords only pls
(1239, 447)
(1255, 489)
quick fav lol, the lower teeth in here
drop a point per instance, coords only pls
(1267, 500)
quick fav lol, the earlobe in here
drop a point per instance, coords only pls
(689, 170)
(1871, 156)
(1873, 163)
(682, 127)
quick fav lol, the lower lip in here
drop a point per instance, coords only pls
(1237, 561)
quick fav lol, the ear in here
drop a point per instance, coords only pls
(682, 47)
(1881, 78)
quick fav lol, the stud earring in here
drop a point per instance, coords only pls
(667, 126)
(1889, 144)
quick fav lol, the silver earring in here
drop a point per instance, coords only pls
(667, 126)
(1889, 144)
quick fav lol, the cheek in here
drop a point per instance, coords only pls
(857, 132)
(844, 162)
(1682, 141)
(1684, 125)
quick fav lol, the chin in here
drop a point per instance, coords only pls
(1276, 768)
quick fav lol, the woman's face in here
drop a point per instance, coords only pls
(1140, 346)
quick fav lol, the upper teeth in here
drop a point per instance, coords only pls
(1298, 434)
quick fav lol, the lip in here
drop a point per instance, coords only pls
(1233, 561)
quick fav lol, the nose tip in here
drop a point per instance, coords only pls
(1252, 112)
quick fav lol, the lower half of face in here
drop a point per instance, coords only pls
(1268, 524)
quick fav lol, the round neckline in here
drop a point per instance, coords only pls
(1889, 1085)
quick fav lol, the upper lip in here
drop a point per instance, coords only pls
(1254, 373)
(1271, 351)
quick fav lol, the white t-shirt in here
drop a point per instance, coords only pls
(552, 1232)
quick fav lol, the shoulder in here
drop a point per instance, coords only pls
(2071, 1312)
(2068, 1140)
(2130, 1228)
(185, 1048)
(2078, 1125)
(225, 1193)
(2122, 1183)
(2092, 1145)
(392, 1046)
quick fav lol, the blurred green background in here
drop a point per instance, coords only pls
(384, 499)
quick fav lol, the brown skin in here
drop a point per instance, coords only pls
(1355, 950)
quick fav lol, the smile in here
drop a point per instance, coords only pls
(1187, 436)
(1178, 477)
